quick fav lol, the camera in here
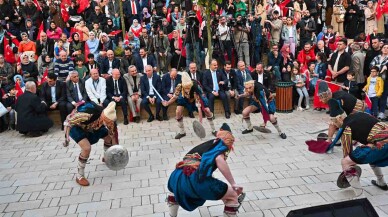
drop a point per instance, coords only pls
(231, 22)
(156, 21)
(268, 25)
(191, 18)
(241, 22)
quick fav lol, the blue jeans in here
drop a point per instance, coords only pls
(375, 105)
(383, 98)
(256, 55)
(190, 49)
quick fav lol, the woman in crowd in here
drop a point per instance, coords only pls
(370, 18)
(135, 28)
(54, 32)
(176, 51)
(84, 30)
(338, 17)
(18, 10)
(47, 64)
(27, 68)
(93, 45)
(77, 47)
(289, 35)
(352, 15)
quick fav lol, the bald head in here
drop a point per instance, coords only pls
(173, 73)
(116, 74)
(94, 74)
(31, 86)
(149, 71)
(63, 55)
(110, 54)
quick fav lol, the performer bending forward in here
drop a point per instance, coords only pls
(87, 124)
(192, 182)
(260, 99)
(190, 95)
(372, 134)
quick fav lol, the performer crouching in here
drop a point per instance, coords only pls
(189, 95)
(373, 135)
(260, 99)
(192, 183)
(88, 124)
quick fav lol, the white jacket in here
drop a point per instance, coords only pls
(96, 93)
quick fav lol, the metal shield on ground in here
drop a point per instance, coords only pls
(116, 157)
(342, 182)
(199, 130)
(262, 129)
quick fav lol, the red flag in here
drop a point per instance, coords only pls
(44, 77)
(113, 33)
(40, 31)
(368, 102)
(181, 46)
(283, 4)
(14, 40)
(379, 10)
(18, 89)
(199, 16)
(126, 39)
(36, 3)
(64, 13)
(9, 56)
(169, 15)
(87, 51)
(83, 4)
(333, 87)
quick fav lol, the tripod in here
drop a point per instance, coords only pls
(189, 30)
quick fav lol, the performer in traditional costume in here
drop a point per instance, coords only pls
(86, 125)
(263, 100)
(349, 103)
(192, 182)
(361, 128)
(189, 95)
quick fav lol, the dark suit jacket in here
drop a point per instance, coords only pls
(31, 113)
(166, 83)
(127, 8)
(208, 81)
(96, 65)
(105, 65)
(110, 88)
(70, 91)
(145, 87)
(49, 47)
(232, 79)
(199, 76)
(149, 45)
(139, 63)
(326, 51)
(240, 80)
(266, 78)
(60, 92)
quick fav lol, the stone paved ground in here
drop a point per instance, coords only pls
(37, 174)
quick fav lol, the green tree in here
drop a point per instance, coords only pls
(209, 6)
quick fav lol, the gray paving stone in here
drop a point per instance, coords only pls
(119, 212)
(52, 211)
(19, 206)
(94, 206)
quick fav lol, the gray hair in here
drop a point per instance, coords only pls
(30, 85)
(356, 47)
(73, 73)
(131, 66)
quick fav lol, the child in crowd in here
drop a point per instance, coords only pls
(80, 68)
(374, 89)
(9, 100)
(300, 84)
(350, 85)
(58, 49)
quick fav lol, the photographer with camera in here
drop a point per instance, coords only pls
(192, 39)
(274, 25)
(241, 39)
(256, 33)
(162, 51)
(224, 36)
(307, 28)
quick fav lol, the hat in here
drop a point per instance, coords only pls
(186, 80)
(110, 111)
(322, 87)
(335, 108)
(225, 127)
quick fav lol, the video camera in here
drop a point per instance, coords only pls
(191, 18)
(156, 21)
(268, 25)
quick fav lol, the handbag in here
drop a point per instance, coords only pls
(3, 110)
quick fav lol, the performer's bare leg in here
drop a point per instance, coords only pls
(179, 118)
(173, 206)
(274, 122)
(209, 116)
(82, 159)
(330, 133)
(246, 116)
(351, 175)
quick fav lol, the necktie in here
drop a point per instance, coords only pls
(173, 86)
(244, 76)
(116, 89)
(76, 93)
(133, 8)
(215, 81)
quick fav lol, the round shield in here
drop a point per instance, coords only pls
(262, 129)
(116, 157)
(199, 130)
(342, 182)
(322, 137)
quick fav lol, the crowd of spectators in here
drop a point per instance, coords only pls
(76, 51)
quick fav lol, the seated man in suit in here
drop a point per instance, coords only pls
(32, 118)
(149, 84)
(262, 76)
(116, 90)
(108, 64)
(214, 83)
(243, 75)
(144, 59)
(53, 93)
(96, 87)
(132, 78)
(169, 82)
(75, 90)
(231, 85)
(194, 73)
